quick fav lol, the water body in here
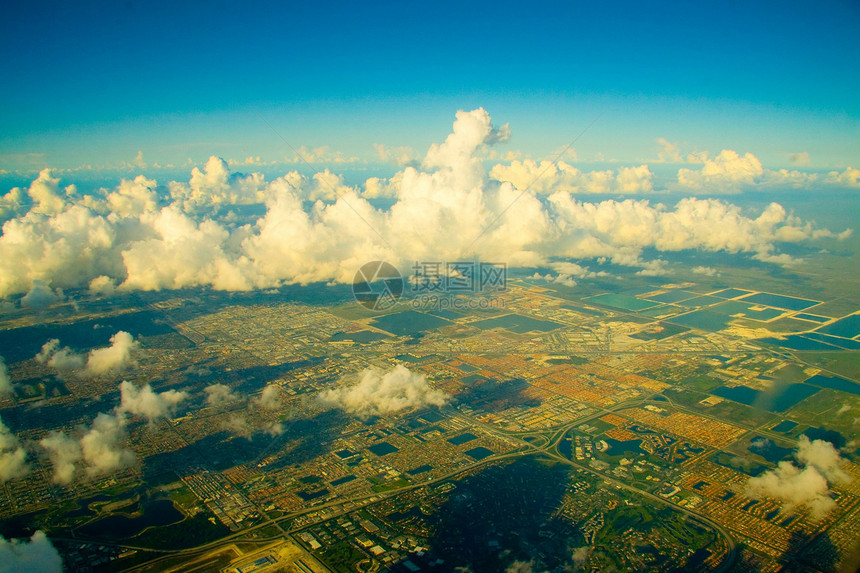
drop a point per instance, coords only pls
(835, 383)
(673, 296)
(408, 322)
(157, 513)
(479, 453)
(768, 450)
(703, 319)
(731, 293)
(419, 470)
(622, 301)
(382, 448)
(84, 508)
(462, 439)
(832, 436)
(797, 342)
(517, 323)
(362, 337)
(780, 301)
(845, 343)
(617, 448)
(847, 327)
(784, 426)
(786, 397)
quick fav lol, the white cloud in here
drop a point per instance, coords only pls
(238, 426)
(63, 359)
(219, 394)
(380, 393)
(12, 204)
(706, 271)
(132, 198)
(145, 402)
(562, 279)
(64, 452)
(102, 286)
(520, 567)
(728, 172)
(669, 152)
(6, 387)
(36, 555)
(805, 485)
(321, 154)
(40, 296)
(13, 458)
(449, 208)
(269, 398)
(64, 250)
(548, 177)
(112, 358)
(46, 195)
(99, 361)
(850, 177)
(215, 185)
(397, 155)
(101, 446)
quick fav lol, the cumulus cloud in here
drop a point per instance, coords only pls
(580, 555)
(850, 177)
(112, 358)
(379, 393)
(548, 177)
(214, 185)
(728, 172)
(238, 426)
(138, 160)
(520, 567)
(140, 236)
(64, 359)
(102, 286)
(398, 155)
(64, 250)
(132, 198)
(12, 204)
(219, 394)
(706, 271)
(64, 453)
(101, 446)
(269, 398)
(46, 195)
(36, 555)
(5, 380)
(13, 457)
(669, 152)
(321, 154)
(145, 402)
(805, 485)
(40, 295)
(562, 279)
(99, 361)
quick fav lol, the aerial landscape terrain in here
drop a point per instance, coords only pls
(384, 288)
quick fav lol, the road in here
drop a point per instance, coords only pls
(549, 448)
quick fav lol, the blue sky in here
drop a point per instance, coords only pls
(93, 83)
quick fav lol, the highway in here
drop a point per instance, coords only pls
(549, 448)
